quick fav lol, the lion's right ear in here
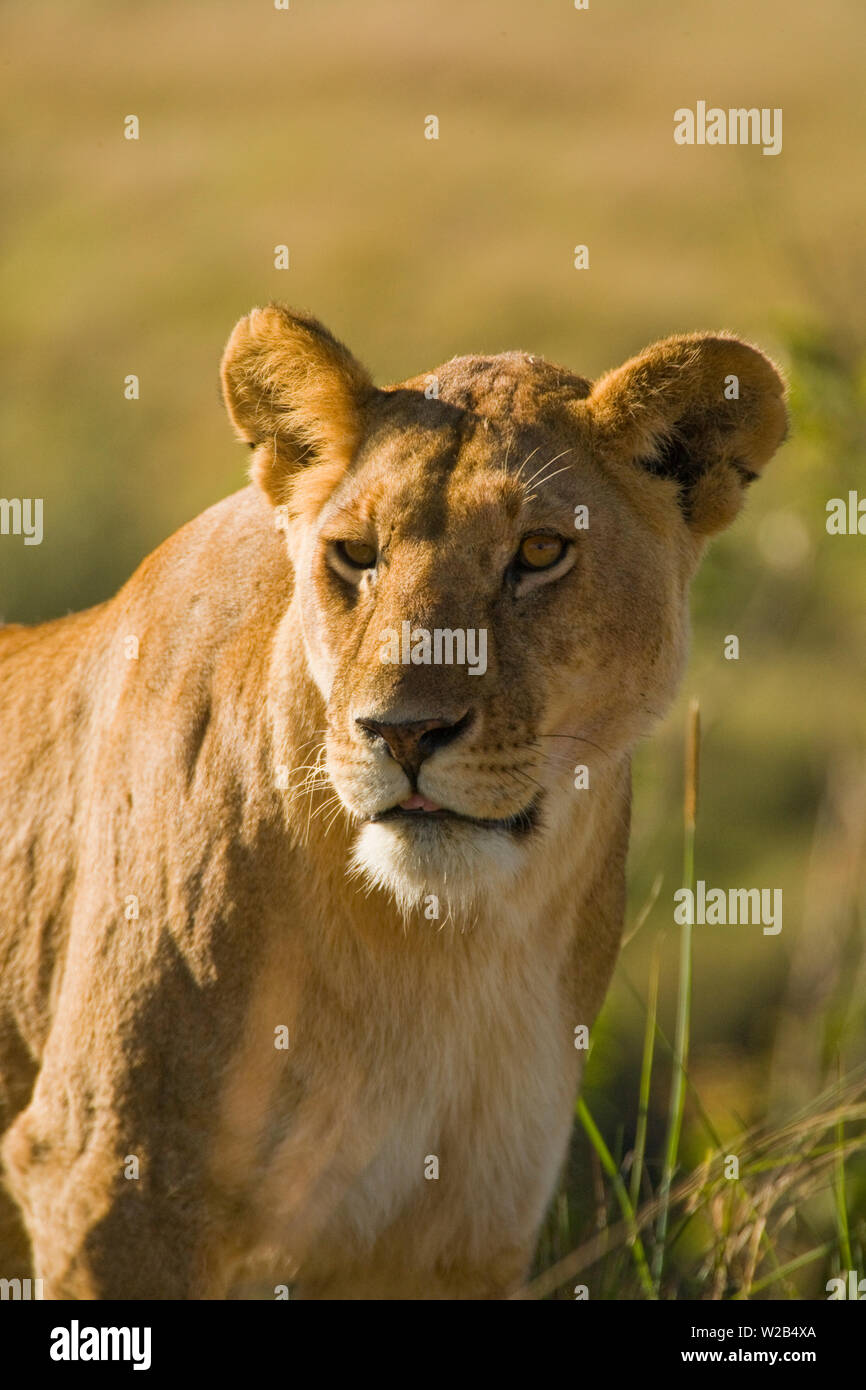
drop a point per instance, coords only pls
(293, 393)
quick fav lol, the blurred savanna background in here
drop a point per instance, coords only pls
(305, 127)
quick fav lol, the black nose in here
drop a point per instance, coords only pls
(413, 742)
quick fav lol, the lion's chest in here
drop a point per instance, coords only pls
(449, 1108)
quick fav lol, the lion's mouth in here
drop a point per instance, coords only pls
(421, 809)
(419, 803)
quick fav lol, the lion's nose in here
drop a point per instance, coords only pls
(411, 743)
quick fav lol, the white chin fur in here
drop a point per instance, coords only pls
(461, 866)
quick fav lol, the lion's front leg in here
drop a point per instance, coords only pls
(112, 1161)
(106, 1219)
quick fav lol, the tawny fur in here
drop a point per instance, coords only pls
(177, 779)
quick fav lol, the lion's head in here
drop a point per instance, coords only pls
(491, 570)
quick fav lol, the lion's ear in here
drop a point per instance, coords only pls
(706, 412)
(294, 393)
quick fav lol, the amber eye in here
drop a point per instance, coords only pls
(540, 552)
(357, 554)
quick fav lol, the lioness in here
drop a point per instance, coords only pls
(297, 923)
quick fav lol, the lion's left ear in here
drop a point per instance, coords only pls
(704, 411)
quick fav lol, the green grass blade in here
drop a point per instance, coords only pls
(782, 1273)
(839, 1189)
(607, 1163)
(646, 1075)
(684, 994)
